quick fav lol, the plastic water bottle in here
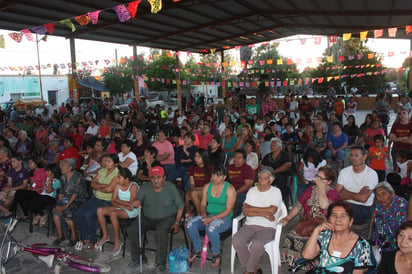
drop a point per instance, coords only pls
(172, 263)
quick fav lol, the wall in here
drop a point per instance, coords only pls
(14, 87)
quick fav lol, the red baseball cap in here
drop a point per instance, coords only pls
(157, 171)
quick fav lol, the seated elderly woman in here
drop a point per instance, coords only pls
(216, 211)
(71, 197)
(340, 249)
(261, 204)
(390, 212)
(399, 261)
(312, 206)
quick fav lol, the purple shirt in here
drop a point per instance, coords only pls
(18, 177)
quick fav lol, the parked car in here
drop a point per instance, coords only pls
(155, 104)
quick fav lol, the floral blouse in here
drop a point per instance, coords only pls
(309, 201)
(388, 221)
(74, 185)
(358, 258)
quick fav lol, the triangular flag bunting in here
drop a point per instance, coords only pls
(333, 38)
(39, 29)
(132, 8)
(363, 35)
(69, 23)
(156, 5)
(378, 33)
(392, 32)
(83, 20)
(28, 34)
(49, 27)
(347, 36)
(2, 44)
(408, 29)
(122, 13)
(94, 16)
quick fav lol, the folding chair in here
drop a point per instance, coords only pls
(271, 248)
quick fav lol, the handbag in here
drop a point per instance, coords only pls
(307, 224)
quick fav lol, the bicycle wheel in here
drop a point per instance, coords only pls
(92, 267)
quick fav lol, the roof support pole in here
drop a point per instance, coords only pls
(73, 57)
(38, 63)
(136, 74)
(73, 84)
(178, 83)
(222, 59)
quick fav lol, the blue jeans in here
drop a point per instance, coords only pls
(362, 213)
(195, 224)
(86, 218)
(340, 155)
(240, 199)
(182, 173)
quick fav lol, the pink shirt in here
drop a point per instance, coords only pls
(166, 146)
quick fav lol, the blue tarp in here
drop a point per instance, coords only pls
(91, 82)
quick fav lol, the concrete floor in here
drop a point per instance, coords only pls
(25, 262)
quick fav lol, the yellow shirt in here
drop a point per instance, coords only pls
(105, 180)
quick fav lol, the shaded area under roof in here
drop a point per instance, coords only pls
(92, 83)
(195, 25)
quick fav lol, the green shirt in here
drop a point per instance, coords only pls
(159, 205)
(105, 180)
(216, 205)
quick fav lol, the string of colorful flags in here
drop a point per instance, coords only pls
(275, 83)
(232, 64)
(124, 12)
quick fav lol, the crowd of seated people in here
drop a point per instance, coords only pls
(214, 163)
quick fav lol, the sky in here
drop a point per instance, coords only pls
(57, 51)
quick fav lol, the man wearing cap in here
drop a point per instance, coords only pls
(162, 209)
(261, 204)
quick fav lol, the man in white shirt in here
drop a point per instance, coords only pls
(262, 203)
(92, 129)
(356, 183)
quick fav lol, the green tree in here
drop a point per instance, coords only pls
(118, 78)
(260, 70)
(357, 67)
(163, 73)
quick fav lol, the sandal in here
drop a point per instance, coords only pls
(116, 251)
(216, 260)
(99, 245)
(193, 256)
(43, 220)
(36, 219)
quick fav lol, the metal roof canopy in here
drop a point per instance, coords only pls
(195, 25)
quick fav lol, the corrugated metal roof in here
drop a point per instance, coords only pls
(195, 25)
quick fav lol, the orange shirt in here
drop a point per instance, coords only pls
(375, 163)
(339, 108)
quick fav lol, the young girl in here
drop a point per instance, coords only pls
(37, 180)
(308, 168)
(199, 174)
(47, 197)
(121, 208)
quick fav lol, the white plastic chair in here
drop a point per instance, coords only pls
(271, 248)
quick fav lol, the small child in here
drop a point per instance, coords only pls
(259, 126)
(404, 166)
(377, 155)
(290, 139)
